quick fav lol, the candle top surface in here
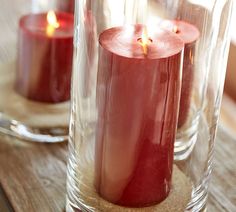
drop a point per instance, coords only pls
(186, 31)
(125, 41)
(37, 24)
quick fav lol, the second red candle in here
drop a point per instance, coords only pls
(45, 58)
(189, 34)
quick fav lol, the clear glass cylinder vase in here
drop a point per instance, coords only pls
(36, 53)
(146, 90)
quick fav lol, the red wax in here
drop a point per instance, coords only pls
(45, 62)
(189, 34)
(137, 100)
(71, 5)
(65, 6)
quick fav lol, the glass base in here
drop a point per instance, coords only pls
(196, 204)
(197, 167)
(30, 120)
(199, 199)
(76, 195)
(70, 207)
(186, 138)
(42, 135)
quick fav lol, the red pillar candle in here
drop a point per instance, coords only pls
(189, 34)
(45, 57)
(137, 99)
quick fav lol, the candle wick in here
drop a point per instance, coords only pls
(144, 43)
(176, 30)
(145, 50)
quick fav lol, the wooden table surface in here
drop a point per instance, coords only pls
(33, 176)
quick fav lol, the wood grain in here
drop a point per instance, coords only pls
(228, 115)
(223, 183)
(5, 206)
(33, 176)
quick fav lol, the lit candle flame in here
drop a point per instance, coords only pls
(52, 23)
(144, 41)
